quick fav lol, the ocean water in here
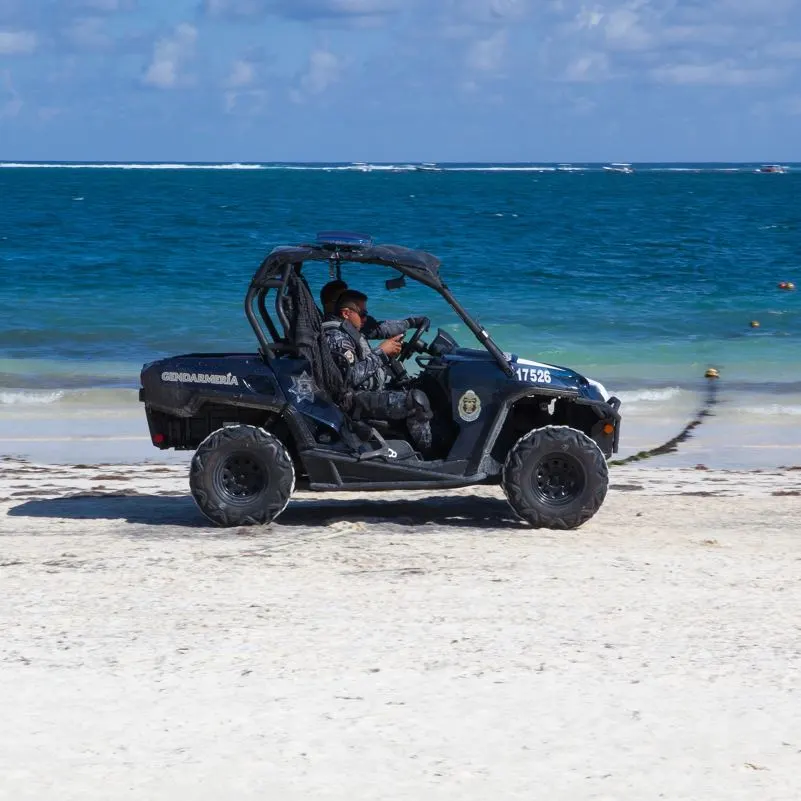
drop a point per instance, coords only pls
(640, 281)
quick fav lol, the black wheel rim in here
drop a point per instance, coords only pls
(558, 479)
(240, 478)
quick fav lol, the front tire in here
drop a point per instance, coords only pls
(241, 476)
(555, 477)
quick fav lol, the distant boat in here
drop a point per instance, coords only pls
(772, 168)
(619, 167)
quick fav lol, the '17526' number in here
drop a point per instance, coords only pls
(534, 374)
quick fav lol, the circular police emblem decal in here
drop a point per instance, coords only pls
(469, 406)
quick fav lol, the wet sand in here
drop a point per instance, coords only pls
(398, 645)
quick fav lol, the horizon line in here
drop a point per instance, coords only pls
(10, 161)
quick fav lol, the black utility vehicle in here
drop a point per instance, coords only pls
(263, 422)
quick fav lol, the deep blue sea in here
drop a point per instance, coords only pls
(639, 280)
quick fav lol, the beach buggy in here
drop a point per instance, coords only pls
(266, 422)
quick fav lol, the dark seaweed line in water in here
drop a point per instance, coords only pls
(672, 445)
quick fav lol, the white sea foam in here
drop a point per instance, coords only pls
(27, 397)
(361, 167)
(649, 395)
(770, 410)
(127, 166)
(516, 168)
(68, 401)
(355, 167)
(366, 167)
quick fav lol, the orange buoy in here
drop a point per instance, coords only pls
(786, 285)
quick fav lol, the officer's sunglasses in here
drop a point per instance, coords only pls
(361, 312)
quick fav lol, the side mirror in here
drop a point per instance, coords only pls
(396, 283)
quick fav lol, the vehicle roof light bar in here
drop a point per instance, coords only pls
(343, 239)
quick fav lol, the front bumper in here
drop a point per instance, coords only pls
(608, 413)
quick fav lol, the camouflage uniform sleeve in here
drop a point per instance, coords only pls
(355, 371)
(373, 329)
(341, 349)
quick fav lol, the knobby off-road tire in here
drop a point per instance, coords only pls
(555, 477)
(241, 476)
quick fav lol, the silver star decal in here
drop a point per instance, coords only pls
(303, 387)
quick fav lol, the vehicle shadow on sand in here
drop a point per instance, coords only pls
(180, 512)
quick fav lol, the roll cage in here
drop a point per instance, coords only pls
(335, 248)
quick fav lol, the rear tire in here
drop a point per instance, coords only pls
(241, 476)
(555, 477)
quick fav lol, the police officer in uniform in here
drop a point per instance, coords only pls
(329, 295)
(366, 371)
(371, 328)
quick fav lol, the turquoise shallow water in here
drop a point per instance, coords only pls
(640, 281)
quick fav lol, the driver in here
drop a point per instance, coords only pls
(366, 371)
(372, 328)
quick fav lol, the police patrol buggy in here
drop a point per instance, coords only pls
(267, 422)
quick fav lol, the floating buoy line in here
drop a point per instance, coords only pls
(672, 445)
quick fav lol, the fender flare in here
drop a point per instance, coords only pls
(603, 409)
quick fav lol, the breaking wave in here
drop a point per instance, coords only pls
(66, 400)
(29, 398)
(358, 166)
(649, 395)
(126, 166)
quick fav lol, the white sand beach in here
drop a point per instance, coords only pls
(398, 645)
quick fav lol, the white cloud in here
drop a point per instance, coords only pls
(349, 7)
(692, 42)
(323, 70)
(17, 42)
(300, 9)
(588, 68)
(234, 8)
(242, 97)
(713, 33)
(250, 102)
(720, 73)
(589, 18)
(488, 10)
(487, 55)
(106, 5)
(242, 74)
(623, 29)
(169, 54)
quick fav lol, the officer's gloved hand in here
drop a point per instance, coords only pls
(418, 322)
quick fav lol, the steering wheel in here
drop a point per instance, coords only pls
(409, 347)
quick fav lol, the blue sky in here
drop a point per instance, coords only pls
(401, 80)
